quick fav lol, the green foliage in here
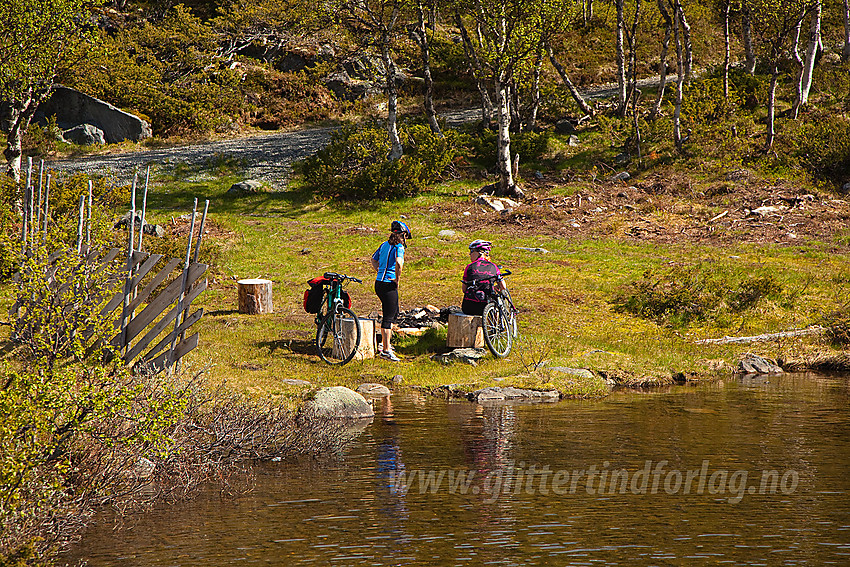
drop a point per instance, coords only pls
(837, 326)
(288, 98)
(168, 72)
(530, 146)
(354, 164)
(704, 103)
(685, 294)
(822, 144)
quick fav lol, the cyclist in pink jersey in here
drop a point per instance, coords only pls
(479, 268)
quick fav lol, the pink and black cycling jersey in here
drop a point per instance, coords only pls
(478, 270)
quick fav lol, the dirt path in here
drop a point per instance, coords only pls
(268, 157)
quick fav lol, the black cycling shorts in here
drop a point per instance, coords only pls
(387, 292)
(470, 307)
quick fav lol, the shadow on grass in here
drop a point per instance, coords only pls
(433, 341)
(219, 312)
(294, 345)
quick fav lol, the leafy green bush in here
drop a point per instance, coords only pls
(354, 164)
(168, 72)
(822, 145)
(530, 146)
(684, 294)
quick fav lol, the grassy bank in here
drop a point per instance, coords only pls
(565, 294)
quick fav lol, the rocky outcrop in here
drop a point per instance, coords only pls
(373, 390)
(337, 402)
(73, 108)
(754, 364)
(469, 356)
(509, 393)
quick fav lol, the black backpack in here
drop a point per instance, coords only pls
(313, 295)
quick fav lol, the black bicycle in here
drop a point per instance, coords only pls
(338, 332)
(499, 319)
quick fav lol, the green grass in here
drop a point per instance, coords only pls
(289, 237)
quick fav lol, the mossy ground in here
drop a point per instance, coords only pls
(566, 316)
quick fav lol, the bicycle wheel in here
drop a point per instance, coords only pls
(338, 337)
(497, 334)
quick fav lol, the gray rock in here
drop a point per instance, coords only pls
(622, 158)
(498, 393)
(295, 382)
(149, 229)
(565, 126)
(338, 402)
(754, 364)
(447, 233)
(465, 355)
(84, 135)
(845, 188)
(580, 372)
(538, 175)
(622, 176)
(346, 88)
(374, 390)
(245, 187)
(398, 379)
(72, 107)
(573, 141)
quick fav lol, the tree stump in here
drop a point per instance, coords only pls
(367, 338)
(255, 296)
(465, 331)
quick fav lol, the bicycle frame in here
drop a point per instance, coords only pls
(332, 298)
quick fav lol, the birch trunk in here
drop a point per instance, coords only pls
(771, 106)
(621, 58)
(687, 45)
(475, 66)
(811, 53)
(680, 79)
(727, 57)
(19, 120)
(798, 87)
(747, 32)
(662, 59)
(631, 77)
(396, 150)
(428, 103)
(507, 185)
(582, 104)
(531, 123)
(845, 52)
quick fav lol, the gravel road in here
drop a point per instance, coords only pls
(268, 156)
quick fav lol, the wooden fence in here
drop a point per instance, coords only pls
(154, 316)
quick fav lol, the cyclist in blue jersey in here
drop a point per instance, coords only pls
(388, 261)
(479, 268)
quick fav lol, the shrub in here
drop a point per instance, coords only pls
(822, 145)
(354, 164)
(530, 146)
(685, 294)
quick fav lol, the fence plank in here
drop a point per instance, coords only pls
(166, 340)
(158, 279)
(184, 347)
(163, 300)
(159, 326)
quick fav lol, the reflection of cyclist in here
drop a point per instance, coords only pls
(480, 268)
(388, 260)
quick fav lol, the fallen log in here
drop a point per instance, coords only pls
(816, 330)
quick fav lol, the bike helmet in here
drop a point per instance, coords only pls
(400, 228)
(480, 246)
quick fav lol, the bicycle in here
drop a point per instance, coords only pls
(499, 319)
(333, 344)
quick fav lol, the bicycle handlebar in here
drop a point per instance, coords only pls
(341, 277)
(488, 278)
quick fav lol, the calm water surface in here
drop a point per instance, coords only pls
(680, 473)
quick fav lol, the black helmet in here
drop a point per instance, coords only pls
(400, 228)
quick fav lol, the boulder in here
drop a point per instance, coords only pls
(373, 390)
(846, 188)
(573, 141)
(245, 187)
(73, 108)
(84, 135)
(469, 356)
(149, 229)
(498, 393)
(565, 126)
(580, 372)
(346, 88)
(337, 402)
(446, 234)
(754, 364)
(622, 176)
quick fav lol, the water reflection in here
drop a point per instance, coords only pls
(348, 510)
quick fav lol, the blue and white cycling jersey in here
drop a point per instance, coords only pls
(386, 255)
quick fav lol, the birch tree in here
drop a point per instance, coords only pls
(774, 23)
(376, 23)
(420, 33)
(510, 35)
(845, 52)
(804, 84)
(37, 39)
